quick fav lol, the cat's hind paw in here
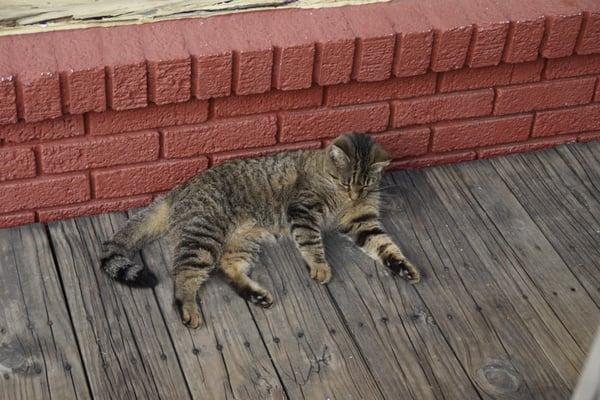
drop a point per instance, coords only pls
(321, 273)
(190, 315)
(404, 268)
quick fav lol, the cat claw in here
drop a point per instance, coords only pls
(264, 300)
(321, 274)
(404, 269)
(190, 316)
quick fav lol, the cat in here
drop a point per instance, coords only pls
(218, 219)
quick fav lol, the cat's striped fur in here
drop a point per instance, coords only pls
(218, 219)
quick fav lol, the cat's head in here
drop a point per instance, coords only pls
(356, 163)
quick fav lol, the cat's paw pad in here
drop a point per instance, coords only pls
(321, 273)
(263, 299)
(190, 315)
(404, 268)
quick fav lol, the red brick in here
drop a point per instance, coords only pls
(252, 71)
(145, 178)
(395, 88)
(169, 64)
(334, 48)
(192, 112)
(67, 126)
(220, 135)
(126, 80)
(318, 124)
(211, 75)
(487, 44)
(530, 145)
(526, 30)
(561, 35)
(589, 37)
(430, 160)
(404, 143)
(450, 48)
(274, 100)
(528, 71)
(425, 110)
(475, 78)
(101, 151)
(92, 207)
(597, 96)
(412, 53)
(38, 86)
(293, 66)
(16, 163)
(452, 36)
(414, 38)
(294, 49)
(43, 192)
(211, 66)
(572, 66)
(251, 47)
(481, 132)
(263, 151)
(588, 136)
(544, 95)
(8, 220)
(490, 29)
(572, 120)
(81, 68)
(375, 42)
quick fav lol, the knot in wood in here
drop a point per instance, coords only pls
(497, 377)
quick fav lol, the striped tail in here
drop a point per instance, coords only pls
(144, 227)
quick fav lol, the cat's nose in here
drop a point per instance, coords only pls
(354, 195)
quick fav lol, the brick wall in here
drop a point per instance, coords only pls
(105, 118)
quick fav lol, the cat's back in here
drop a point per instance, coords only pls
(249, 179)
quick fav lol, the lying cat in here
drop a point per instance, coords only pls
(219, 217)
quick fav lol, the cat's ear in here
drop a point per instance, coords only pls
(381, 159)
(338, 156)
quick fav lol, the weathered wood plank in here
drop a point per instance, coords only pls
(39, 358)
(536, 260)
(478, 319)
(308, 341)
(403, 347)
(563, 204)
(124, 342)
(226, 357)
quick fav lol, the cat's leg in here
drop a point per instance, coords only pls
(239, 255)
(305, 228)
(197, 250)
(364, 227)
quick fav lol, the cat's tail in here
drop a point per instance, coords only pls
(144, 227)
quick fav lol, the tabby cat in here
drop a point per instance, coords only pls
(218, 219)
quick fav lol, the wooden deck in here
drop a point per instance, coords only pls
(508, 309)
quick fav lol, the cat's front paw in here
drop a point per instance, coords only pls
(320, 272)
(404, 268)
(189, 314)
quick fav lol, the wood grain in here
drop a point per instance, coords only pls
(465, 298)
(561, 194)
(308, 341)
(398, 338)
(38, 357)
(125, 344)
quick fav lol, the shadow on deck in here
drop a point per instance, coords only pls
(508, 308)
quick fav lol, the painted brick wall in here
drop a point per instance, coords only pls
(106, 118)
